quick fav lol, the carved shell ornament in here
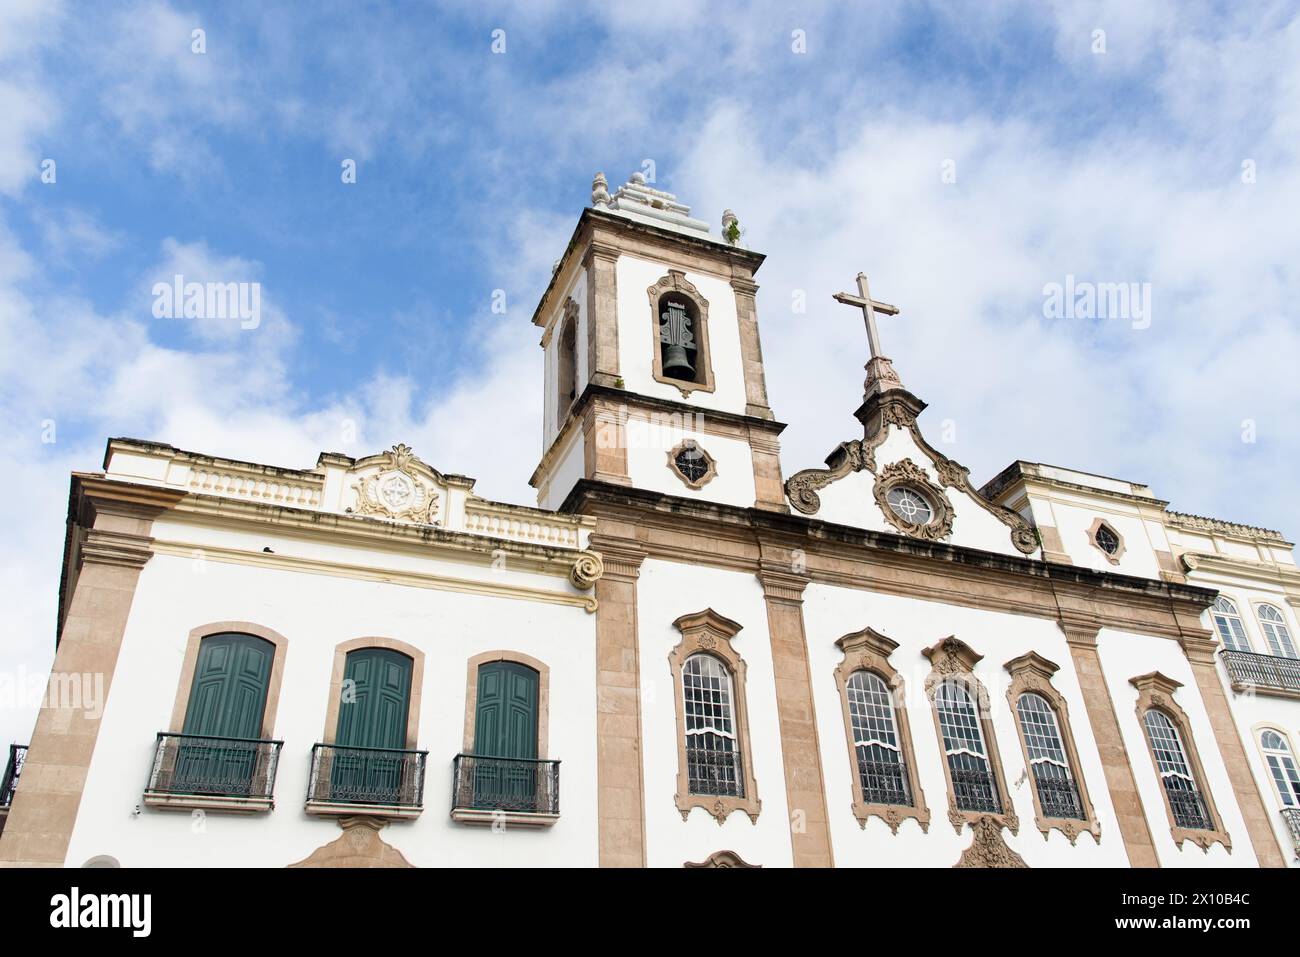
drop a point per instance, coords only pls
(397, 492)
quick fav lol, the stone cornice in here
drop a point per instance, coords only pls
(116, 548)
(1199, 523)
(1287, 576)
(672, 528)
(607, 229)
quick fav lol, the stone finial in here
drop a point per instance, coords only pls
(600, 191)
(638, 178)
(730, 227)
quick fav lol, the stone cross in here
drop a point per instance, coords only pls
(879, 369)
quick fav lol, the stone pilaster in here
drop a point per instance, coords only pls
(1116, 765)
(1200, 647)
(769, 489)
(114, 549)
(805, 785)
(619, 771)
(602, 314)
(604, 443)
(751, 351)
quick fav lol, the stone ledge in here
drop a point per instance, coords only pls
(208, 802)
(484, 817)
(392, 812)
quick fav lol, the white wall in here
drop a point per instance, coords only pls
(1125, 656)
(666, 591)
(830, 613)
(647, 463)
(316, 613)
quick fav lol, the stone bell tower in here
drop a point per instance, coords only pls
(654, 373)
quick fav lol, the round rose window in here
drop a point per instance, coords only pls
(910, 505)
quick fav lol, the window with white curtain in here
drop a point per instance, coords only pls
(1058, 795)
(1180, 785)
(973, 785)
(712, 751)
(882, 771)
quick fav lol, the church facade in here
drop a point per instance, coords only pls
(684, 656)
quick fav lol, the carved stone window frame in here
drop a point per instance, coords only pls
(711, 465)
(677, 283)
(951, 659)
(905, 472)
(1156, 692)
(1096, 526)
(868, 650)
(566, 359)
(707, 632)
(1031, 673)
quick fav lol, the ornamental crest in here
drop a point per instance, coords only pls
(397, 491)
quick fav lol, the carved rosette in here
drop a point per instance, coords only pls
(397, 491)
(907, 472)
(586, 571)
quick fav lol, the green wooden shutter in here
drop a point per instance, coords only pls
(505, 726)
(505, 719)
(372, 714)
(227, 700)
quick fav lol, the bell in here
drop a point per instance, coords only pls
(676, 363)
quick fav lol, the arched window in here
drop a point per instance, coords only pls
(567, 364)
(879, 737)
(712, 754)
(1058, 795)
(1275, 631)
(714, 762)
(1281, 765)
(1181, 788)
(973, 785)
(1232, 630)
(882, 770)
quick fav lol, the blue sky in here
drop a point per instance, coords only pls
(1115, 166)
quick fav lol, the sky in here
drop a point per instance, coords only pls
(965, 156)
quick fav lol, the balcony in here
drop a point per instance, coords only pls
(213, 774)
(1188, 806)
(1263, 674)
(1292, 817)
(9, 783)
(1059, 798)
(383, 782)
(519, 791)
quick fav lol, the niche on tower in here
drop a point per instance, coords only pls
(680, 327)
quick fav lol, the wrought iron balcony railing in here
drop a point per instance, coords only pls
(884, 782)
(197, 765)
(1188, 807)
(974, 790)
(390, 777)
(1292, 817)
(484, 783)
(1059, 797)
(1264, 673)
(9, 783)
(714, 771)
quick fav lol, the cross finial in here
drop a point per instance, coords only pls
(880, 371)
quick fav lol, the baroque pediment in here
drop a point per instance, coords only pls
(396, 485)
(942, 480)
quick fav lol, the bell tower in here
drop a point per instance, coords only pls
(654, 373)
